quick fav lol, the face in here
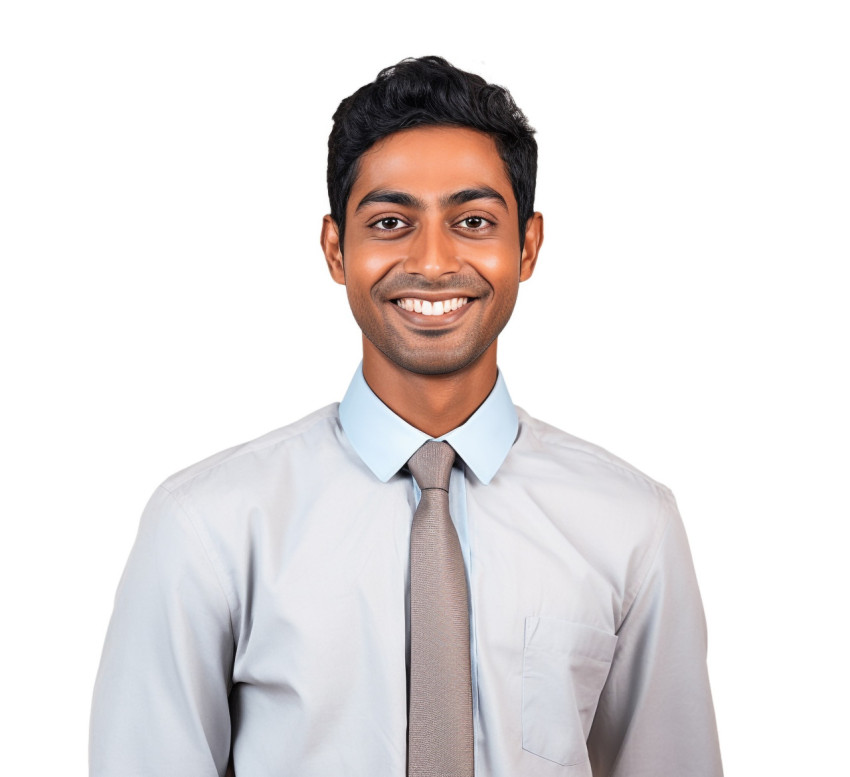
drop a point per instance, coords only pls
(432, 260)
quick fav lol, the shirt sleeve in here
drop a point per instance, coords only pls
(160, 703)
(655, 716)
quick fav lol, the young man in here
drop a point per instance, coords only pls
(422, 579)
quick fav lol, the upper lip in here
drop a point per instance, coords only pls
(431, 296)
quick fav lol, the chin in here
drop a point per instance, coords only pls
(441, 362)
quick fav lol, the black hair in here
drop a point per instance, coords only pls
(422, 92)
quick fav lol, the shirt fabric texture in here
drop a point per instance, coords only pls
(265, 603)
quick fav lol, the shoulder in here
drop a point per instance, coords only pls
(618, 514)
(574, 455)
(253, 463)
(217, 508)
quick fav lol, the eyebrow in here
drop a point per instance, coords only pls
(467, 195)
(391, 196)
(450, 200)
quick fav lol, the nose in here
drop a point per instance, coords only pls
(432, 252)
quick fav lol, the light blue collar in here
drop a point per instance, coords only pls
(385, 441)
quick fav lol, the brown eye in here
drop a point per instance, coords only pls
(474, 223)
(388, 224)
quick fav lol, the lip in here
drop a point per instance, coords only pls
(433, 296)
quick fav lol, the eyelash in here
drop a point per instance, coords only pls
(402, 222)
(485, 223)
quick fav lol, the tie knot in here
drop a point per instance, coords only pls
(431, 465)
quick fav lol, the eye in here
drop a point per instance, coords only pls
(388, 224)
(474, 223)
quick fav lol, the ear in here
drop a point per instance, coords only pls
(531, 245)
(332, 249)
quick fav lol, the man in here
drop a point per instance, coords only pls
(422, 579)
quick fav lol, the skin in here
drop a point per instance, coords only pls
(432, 215)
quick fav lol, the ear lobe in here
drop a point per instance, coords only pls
(531, 246)
(332, 249)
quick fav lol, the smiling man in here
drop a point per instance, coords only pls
(421, 580)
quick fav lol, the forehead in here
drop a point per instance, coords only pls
(431, 162)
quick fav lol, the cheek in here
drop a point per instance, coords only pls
(499, 268)
(365, 268)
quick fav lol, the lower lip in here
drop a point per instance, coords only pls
(432, 321)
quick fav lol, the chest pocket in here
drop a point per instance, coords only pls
(564, 667)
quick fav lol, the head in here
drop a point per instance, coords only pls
(431, 177)
(429, 92)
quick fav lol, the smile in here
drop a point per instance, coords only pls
(429, 308)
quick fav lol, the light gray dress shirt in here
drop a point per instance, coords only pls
(264, 604)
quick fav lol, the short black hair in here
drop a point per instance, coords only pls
(429, 91)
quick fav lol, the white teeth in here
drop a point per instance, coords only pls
(428, 308)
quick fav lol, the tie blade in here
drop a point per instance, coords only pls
(440, 727)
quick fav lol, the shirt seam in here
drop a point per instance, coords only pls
(208, 554)
(235, 453)
(602, 456)
(662, 529)
(662, 535)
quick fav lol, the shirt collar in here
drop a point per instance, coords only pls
(385, 441)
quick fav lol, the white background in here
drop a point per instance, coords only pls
(163, 297)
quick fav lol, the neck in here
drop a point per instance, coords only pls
(434, 404)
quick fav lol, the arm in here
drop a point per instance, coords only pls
(655, 716)
(161, 698)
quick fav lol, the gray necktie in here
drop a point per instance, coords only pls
(440, 718)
